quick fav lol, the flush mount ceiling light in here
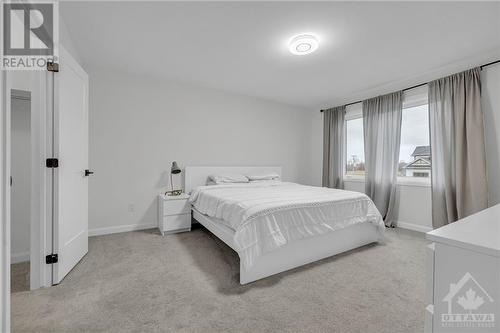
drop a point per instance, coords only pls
(303, 44)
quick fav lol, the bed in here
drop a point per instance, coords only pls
(276, 226)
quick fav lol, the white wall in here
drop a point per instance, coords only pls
(21, 174)
(490, 78)
(138, 126)
(316, 149)
(66, 40)
(414, 207)
(413, 204)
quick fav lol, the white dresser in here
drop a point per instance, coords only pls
(463, 275)
(174, 213)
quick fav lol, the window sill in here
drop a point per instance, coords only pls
(354, 179)
(402, 181)
(414, 181)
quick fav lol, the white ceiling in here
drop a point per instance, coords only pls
(241, 47)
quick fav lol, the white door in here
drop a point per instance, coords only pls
(70, 226)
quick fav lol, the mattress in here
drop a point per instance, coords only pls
(266, 216)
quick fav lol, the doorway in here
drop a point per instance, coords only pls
(58, 167)
(26, 180)
(20, 187)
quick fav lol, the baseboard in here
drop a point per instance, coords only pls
(120, 228)
(19, 257)
(133, 227)
(414, 227)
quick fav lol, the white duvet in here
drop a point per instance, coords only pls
(266, 216)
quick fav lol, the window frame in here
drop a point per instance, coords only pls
(411, 98)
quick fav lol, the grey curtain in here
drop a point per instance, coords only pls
(382, 132)
(333, 147)
(457, 141)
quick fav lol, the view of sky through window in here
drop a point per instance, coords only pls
(414, 131)
(355, 147)
(414, 155)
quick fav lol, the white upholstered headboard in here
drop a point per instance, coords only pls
(197, 175)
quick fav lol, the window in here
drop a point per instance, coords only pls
(414, 154)
(355, 152)
(415, 151)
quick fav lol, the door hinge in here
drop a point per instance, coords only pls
(52, 163)
(52, 66)
(51, 259)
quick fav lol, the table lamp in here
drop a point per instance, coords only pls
(174, 170)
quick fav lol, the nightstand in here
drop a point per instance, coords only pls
(174, 213)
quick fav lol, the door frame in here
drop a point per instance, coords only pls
(5, 203)
(40, 228)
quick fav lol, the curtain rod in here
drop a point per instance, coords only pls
(423, 84)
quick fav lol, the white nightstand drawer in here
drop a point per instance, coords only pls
(176, 207)
(174, 213)
(176, 223)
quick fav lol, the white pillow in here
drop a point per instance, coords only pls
(264, 176)
(266, 181)
(226, 178)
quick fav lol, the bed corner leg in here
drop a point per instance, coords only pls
(243, 276)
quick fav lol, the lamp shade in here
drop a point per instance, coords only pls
(175, 168)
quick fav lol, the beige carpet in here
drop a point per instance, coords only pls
(143, 282)
(20, 277)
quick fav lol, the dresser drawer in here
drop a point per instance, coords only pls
(173, 223)
(176, 207)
